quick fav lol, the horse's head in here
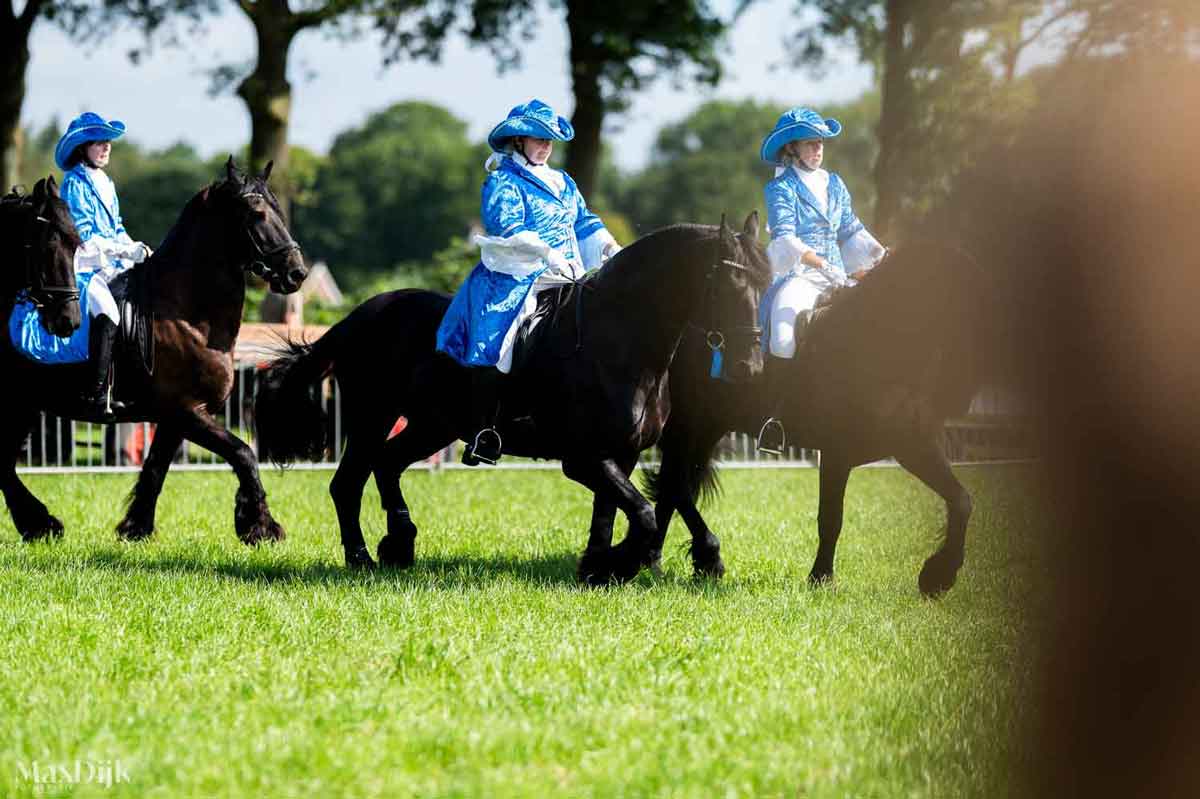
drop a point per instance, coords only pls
(736, 280)
(42, 224)
(262, 242)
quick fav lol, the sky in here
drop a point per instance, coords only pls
(336, 84)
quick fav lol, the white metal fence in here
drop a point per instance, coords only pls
(994, 430)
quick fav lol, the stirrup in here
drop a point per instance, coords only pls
(772, 438)
(485, 449)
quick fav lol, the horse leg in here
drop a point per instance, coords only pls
(622, 562)
(397, 549)
(346, 489)
(928, 463)
(31, 518)
(676, 495)
(835, 472)
(604, 516)
(251, 518)
(139, 516)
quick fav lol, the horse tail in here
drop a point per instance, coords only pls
(691, 475)
(291, 422)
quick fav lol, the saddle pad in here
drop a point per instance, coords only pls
(34, 342)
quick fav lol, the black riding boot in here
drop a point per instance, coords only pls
(101, 338)
(485, 407)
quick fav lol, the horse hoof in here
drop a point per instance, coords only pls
(132, 531)
(938, 575)
(265, 531)
(48, 528)
(396, 552)
(359, 559)
(595, 568)
(709, 570)
(820, 578)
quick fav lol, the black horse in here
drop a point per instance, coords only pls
(37, 233)
(876, 374)
(196, 287)
(590, 390)
(37, 245)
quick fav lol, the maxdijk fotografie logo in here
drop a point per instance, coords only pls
(46, 777)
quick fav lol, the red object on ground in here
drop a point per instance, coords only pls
(137, 442)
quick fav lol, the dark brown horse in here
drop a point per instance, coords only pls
(196, 290)
(875, 375)
(591, 390)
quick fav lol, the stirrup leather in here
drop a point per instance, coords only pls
(772, 438)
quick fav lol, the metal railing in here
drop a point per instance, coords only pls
(994, 430)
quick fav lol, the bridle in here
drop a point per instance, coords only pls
(260, 264)
(715, 335)
(36, 240)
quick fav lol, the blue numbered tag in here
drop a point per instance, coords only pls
(718, 364)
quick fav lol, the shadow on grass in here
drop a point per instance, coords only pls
(454, 571)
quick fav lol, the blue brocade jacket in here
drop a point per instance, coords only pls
(793, 210)
(514, 200)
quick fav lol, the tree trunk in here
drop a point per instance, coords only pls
(268, 95)
(14, 60)
(583, 154)
(896, 107)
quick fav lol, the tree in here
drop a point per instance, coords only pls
(264, 87)
(15, 29)
(708, 164)
(396, 189)
(939, 85)
(616, 49)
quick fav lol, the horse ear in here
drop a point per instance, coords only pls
(726, 234)
(52, 187)
(750, 228)
(39, 191)
(266, 175)
(231, 170)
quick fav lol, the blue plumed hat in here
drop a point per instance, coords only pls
(84, 128)
(799, 123)
(535, 119)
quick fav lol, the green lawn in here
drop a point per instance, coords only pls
(210, 669)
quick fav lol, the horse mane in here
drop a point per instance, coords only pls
(669, 241)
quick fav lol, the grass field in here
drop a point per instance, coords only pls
(209, 669)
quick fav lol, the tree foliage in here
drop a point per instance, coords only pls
(397, 188)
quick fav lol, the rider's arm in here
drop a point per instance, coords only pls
(859, 249)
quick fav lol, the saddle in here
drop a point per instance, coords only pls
(555, 308)
(135, 336)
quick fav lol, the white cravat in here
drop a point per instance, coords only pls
(817, 181)
(543, 172)
(104, 185)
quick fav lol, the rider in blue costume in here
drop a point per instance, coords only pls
(107, 250)
(540, 234)
(816, 238)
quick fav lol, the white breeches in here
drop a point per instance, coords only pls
(100, 300)
(794, 301)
